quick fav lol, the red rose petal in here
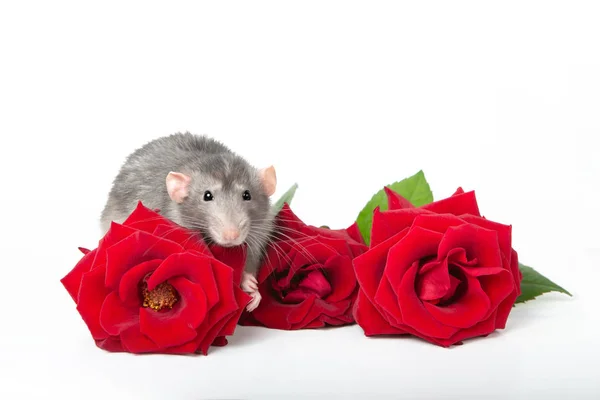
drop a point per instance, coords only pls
(458, 191)
(177, 326)
(72, 281)
(273, 314)
(296, 296)
(135, 342)
(295, 314)
(91, 297)
(241, 299)
(204, 342)
(311, 319)
(396, 201)
(503, 232)
(476, 271)
(196, 307)
(375, 323)
(505, 306)
(414, 313)
(111, 343)
(234, 257)
(133, 250)
(186, 348)
(345, 241)
(388, 223)
(307, 252)
(313, 283)
(115, 317)
(225, 326)
(437, 222)
(316, 283)
(289, 222)
(457, 204)
(454, 283)
(354, 232)
(297, 259)
(227, 304)
(273, 260)
(340, 274)
(321, 308)
(516, 272)
(497, 286)
(433, 282)
(369, 267)
(144, 219)
(315, 324)
(370, 320)
(220, 341)
(340, 320)
(357, 249)
(504, 310)
(83, 250)
(302, 260)
(190, 240)
(115, 234)
(480, 329)
(458, 256)
(478, 242)
(387, 302)
(195, 267)
(471, 308)
(418, 243)
(129, 289)
(292, 228)
(215, 335)
(334, 244)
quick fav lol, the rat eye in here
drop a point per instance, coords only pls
(247, 196)
(208, 196)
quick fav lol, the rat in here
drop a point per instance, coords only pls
(202, 185)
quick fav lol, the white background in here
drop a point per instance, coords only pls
(342, 97)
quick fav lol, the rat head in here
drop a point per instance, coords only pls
(226, 201)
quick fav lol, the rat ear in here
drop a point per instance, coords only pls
(178, 186)
(268, 179)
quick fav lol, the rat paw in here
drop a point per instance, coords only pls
(256, 298)
(249, 283)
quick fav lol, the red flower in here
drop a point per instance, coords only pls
(307, 279)
(440, 272)
(152, 286)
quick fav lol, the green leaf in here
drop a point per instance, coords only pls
(414, 188)
(535, 284)
(285, 198)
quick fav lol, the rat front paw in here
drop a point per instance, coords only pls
(256, 298)
(249, 283)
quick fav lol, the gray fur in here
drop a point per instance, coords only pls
(212, 166)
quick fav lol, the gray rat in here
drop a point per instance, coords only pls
(201, 184)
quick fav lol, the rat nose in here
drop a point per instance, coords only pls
(230, 234)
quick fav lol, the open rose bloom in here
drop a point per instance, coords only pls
(306, 279)
(152, 286)
(441, 272)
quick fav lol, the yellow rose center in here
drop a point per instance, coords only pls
(162, 296)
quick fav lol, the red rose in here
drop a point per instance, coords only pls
(440, 272)
(153, 286)
(307, 279)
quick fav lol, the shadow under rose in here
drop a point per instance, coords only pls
(426, 344)
(522, 317)
(244, 335)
